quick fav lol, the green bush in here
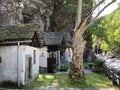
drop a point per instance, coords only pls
(64, 68)
(99, 63)
(98, 69)
(98, 66)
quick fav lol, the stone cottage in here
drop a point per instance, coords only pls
(19, 53)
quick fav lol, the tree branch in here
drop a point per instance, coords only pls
(88, 15)
(94, 19)
(103, 9)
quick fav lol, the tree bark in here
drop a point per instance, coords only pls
(76, 70)
(79, 13)
(78, 44)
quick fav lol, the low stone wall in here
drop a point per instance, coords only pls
(112, 69)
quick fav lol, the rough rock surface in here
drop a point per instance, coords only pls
(26, 11)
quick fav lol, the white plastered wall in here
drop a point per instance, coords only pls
(9, 61)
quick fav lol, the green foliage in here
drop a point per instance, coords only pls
(54, 66)
(85, 64)
(64, 68)
(98, 66)
(99, 63)
(88, 3)
(107, 29)
(71, 7)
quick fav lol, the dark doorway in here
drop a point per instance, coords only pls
(28, 68)
(51, 62)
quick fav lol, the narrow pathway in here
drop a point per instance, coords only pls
(55, 88)
(85, 71)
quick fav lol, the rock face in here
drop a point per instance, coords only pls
(10, 12)
(26, 11)
(53, 15)
(37, 11)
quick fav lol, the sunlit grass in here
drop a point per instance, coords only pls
(42, 77)
(92, 80)
(98, 80)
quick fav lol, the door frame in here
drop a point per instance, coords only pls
(51, 60)
(28, 68)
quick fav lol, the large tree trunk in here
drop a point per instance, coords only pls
(78, 44)
(76, 70)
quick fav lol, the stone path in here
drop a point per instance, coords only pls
(55, 88)
(85, 71)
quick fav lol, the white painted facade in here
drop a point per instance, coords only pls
(68, 54)
(43, 57)
(11, 56)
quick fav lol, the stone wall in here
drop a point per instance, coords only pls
(9, 63)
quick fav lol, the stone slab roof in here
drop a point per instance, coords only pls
(53, 38)
(18, 32)
(22, 32)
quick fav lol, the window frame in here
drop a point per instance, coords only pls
(34, 56)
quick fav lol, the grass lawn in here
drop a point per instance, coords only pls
(93, 80)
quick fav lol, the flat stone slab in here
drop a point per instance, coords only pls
(55, 88)
(87, 71)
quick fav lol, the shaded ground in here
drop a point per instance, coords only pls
(60, 81)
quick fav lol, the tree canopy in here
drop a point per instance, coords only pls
(107, 29)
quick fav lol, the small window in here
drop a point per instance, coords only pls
(54, 54)
(50, 54)
(0, 60)
(34, 56)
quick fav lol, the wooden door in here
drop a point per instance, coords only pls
(28, 68)
(50, 63)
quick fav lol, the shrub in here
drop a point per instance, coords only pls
(54, 66)
(99, 63)
(98, 66)
(64, 68)
(98, 69)
(90, 65)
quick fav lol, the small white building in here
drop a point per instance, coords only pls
(19, 53)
